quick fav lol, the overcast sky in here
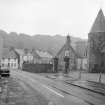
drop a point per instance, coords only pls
(49, 16)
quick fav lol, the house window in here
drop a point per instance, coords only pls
(67, 53)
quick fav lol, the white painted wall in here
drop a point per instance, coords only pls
(28, 57)
(82, 62)
(9, 63)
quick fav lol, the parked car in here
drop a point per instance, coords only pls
(4, 72)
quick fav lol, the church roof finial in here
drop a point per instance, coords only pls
(68, 40)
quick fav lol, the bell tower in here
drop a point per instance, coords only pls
(96, 37)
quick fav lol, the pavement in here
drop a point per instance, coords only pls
(85, 76)
(44, 89)
(88, 76)
(85, 84)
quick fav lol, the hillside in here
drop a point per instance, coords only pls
(44, 42)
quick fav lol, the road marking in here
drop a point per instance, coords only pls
(53, 91)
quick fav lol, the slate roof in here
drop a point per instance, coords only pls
(99, 23)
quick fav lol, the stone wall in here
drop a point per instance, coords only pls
(95, 41)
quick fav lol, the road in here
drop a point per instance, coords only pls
(56, 91)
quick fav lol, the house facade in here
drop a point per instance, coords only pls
(82, 63)
(82, 52)
(9, 59)
(15, 58)
(28, 56)
(36, 56)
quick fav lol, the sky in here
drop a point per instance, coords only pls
(49, 17)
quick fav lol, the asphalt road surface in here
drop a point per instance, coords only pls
(55, 92)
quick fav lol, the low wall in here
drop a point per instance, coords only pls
(38, 68)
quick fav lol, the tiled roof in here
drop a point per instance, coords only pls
(99, 24)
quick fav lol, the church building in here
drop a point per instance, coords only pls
(96, 44)
(66, 51)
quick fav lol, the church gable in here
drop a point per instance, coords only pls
(66, 50)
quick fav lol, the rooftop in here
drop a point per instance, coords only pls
(43, 54)
(99, 23)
